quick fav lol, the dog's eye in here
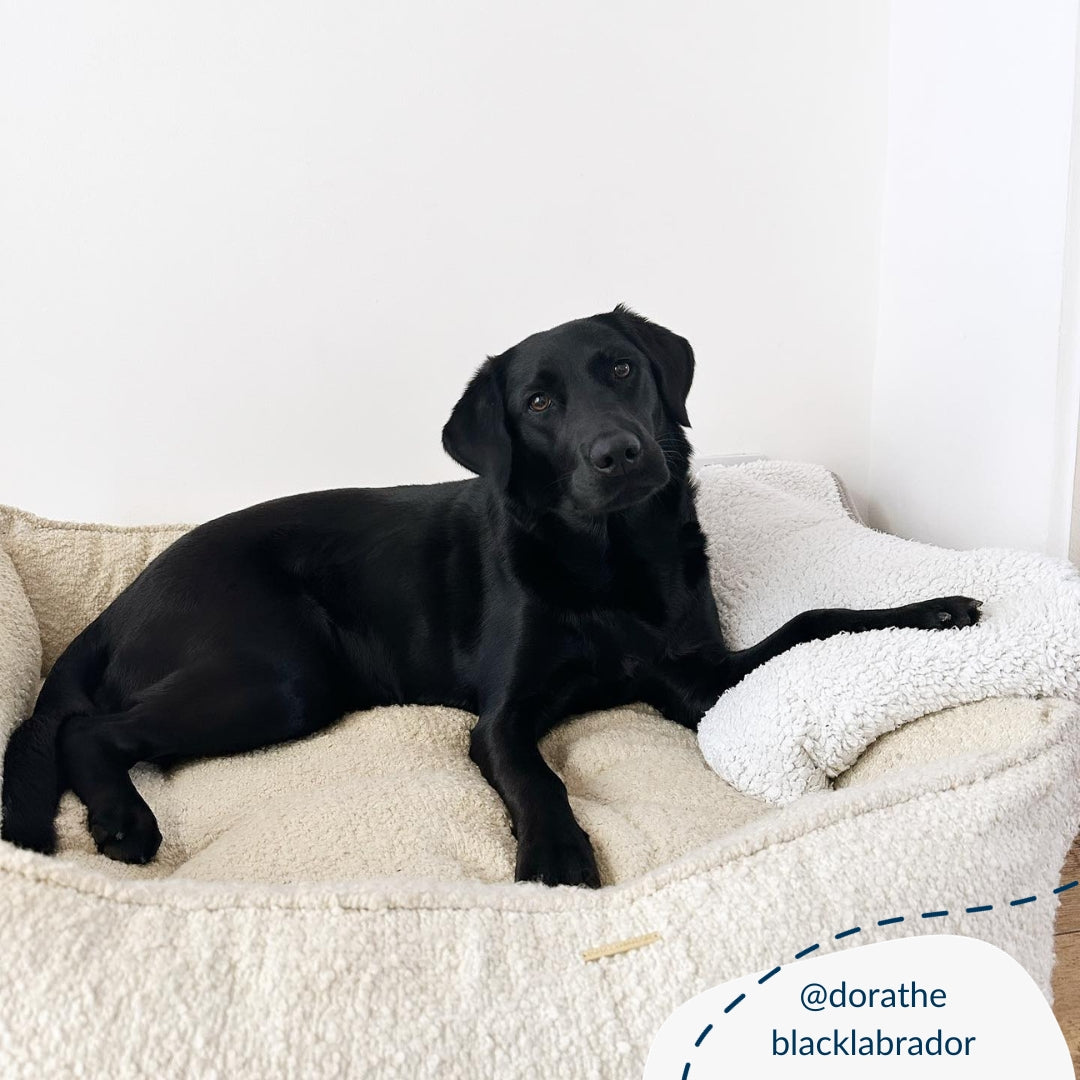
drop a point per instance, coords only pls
(539, 402)
(621, 369)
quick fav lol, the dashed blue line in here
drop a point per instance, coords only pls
(858, 929)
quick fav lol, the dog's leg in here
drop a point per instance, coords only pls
(192, 713)
(552, 847)
(122, 825)
(944, 613)
(683, 689)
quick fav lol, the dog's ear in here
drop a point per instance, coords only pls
(671, 357)
(475, 435)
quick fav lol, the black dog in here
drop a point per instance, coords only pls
(571, 576)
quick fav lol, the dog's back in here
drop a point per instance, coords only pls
(348, 599)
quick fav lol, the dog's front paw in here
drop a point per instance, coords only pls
(561, 856)
(945, 613)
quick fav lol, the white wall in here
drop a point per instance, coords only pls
(977, 380)
(250, 249)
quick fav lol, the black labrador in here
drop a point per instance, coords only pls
(572, 575)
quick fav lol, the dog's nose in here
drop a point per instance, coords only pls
(618, 453)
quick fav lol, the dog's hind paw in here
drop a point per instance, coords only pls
(32, 835)
(126, 832)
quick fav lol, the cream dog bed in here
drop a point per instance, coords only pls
(342, 906)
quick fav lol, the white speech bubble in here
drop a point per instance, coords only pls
(987, 1020)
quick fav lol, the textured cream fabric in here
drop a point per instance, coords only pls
(410, 978)
(781, 542)
(20, 648)
(392, 791)
(341, 906)
(71, 572)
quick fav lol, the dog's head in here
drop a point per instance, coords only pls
(585, 418)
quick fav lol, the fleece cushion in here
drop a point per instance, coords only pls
(343, 904)
(392, 792)
(781, 542)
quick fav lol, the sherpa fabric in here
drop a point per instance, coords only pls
(341, 906)
(781, 542)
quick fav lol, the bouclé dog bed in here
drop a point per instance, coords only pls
(342, 906)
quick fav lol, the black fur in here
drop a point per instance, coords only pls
(571, 576)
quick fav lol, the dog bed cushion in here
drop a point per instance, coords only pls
(343, 905)
(781, 542)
